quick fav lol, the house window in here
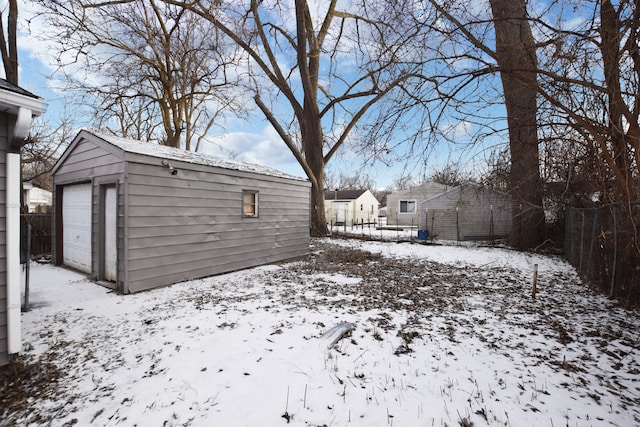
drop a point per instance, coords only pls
(361, 207)
(249, 204)
(408, 206)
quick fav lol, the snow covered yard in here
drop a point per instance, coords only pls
(444, 335)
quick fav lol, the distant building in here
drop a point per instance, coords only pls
(466, 212)
(350, 206)
(403, 205)
(35, 198)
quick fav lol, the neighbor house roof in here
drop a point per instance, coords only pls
(343, 194)
(161, 151)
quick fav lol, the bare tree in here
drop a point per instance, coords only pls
(518, 64)
(42, 148)
(451, 175)
(507, 26)
(345, 182)
(404, 182)
(320, 71)
(129, 117)
(498, 170)
(589, 83)
(144, 63)
(9, 42)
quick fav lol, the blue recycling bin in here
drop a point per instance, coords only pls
(423, 234)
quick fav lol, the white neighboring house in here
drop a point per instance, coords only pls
(35, 196)
(350, 206)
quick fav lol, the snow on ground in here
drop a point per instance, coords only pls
(444, 335)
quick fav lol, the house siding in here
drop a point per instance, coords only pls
(352, 212)
(18, 108)
(4, 142)
(190, 225)
(481, 214)
(419, 194)
(369, 204)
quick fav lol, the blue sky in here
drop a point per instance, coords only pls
(253, 140)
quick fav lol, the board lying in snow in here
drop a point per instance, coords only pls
(335, 334)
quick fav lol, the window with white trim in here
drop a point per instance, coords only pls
(407, 206)
(249, 204)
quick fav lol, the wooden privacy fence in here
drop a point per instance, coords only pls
(603, 244)
(40, 243)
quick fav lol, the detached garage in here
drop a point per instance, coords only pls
(467, 212)
(136, 215)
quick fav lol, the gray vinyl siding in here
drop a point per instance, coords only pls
(173, 228)
(89, 162)
(4, 141)
(191, 225)
(482, 214)
(419, 194)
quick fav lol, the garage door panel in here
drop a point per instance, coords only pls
(76, 226)
(78, 216)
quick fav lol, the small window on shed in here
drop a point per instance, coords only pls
(249, 204)
(407, 206)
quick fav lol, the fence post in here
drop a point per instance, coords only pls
(26, 269)
(491, 224)
(615, 250)
(535, 281)
(411, 232)
(457, 225)
(593, 240)
(581, 241)
(433, 219)
(397, 228)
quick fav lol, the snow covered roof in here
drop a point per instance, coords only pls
(161, 151)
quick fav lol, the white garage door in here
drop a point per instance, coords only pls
(76, 226)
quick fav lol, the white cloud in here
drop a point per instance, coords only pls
(264, 147)
(458, 130)
(32, 31)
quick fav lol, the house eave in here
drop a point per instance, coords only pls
(25, 108)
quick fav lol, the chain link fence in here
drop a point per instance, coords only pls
(603, 244)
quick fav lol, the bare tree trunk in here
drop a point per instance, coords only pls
(10, 56)
(313, 148)
(318, 226)
(516, 56)
(310, 120)
(611, 56)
